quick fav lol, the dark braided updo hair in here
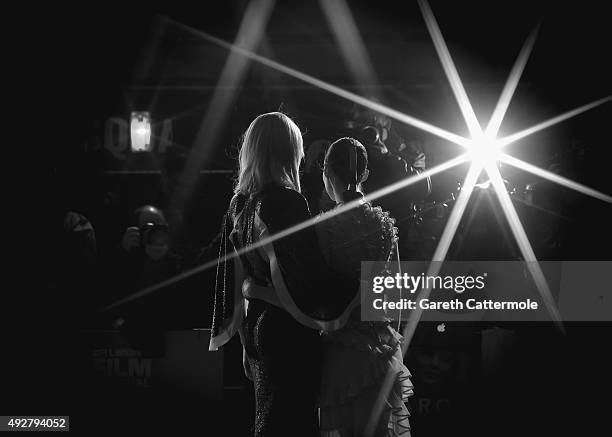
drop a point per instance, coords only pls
(348, 159)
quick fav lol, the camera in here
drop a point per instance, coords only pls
(153, 233)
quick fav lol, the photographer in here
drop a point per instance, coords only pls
(145, 258)
(149, 237)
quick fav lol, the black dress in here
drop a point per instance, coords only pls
(285, 356)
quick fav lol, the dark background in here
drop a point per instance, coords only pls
(89, 63)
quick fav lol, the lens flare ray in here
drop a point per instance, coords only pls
(568, 183)
(450, 70)
(552, 121)
(296, 228)
(234, 71)
(510, 87)
(442, 248)
(523, 242)
(342, 23)
(440, 254)
(397, 115)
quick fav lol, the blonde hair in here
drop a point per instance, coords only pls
(271, 151)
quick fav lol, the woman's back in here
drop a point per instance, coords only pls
(364, 233)
(278, 348)
(357, 357)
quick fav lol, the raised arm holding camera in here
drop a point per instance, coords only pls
(150, 235)
(145, 257)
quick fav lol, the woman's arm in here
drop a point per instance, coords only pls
(248, 372)
(315, 288)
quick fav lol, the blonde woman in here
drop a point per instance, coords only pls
(282, 356)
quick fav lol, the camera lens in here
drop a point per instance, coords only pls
(154, 233)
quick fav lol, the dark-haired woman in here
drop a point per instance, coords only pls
(357, 358)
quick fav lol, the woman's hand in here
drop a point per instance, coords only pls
(247, 366)
(252, 291)
(131, 238)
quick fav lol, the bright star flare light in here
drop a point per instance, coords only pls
(484, 152)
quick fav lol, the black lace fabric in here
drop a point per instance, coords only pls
(364, 233)
(358, 358)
